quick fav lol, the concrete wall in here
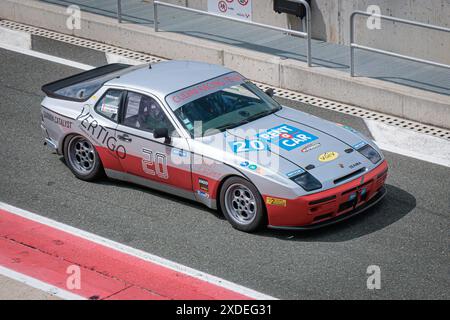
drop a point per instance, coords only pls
(330, 22)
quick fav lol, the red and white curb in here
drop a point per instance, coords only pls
(41, 252)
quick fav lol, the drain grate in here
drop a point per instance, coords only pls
(282, 93)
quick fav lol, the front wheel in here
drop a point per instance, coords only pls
(82, 158)
(242, 204)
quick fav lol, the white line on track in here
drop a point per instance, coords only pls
(137, 253)
(47, 57)
(37, 284)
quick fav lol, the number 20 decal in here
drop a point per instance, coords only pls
(154, 165)
(247, 145)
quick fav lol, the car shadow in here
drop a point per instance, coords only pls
(167, 196)
(107, 181)
(396, 204)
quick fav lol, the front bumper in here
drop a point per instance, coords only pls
(330, 206)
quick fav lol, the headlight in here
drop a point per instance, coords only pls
(370, 153)
(307, 181)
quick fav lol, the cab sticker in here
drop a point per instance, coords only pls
(203, 184)
(276, 202)
(287, 137)
(328, 156)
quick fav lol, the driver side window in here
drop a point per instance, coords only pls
(144, 113)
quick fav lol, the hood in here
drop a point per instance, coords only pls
(302, 142)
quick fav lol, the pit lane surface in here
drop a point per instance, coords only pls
(406, 235)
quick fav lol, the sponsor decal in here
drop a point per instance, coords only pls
(245, 164)
(260, 171)
(276, 202)
(328, 156)
(247, 145)
(57, 120)
(359, 145)
(310, 147)
(295, 173)
(252, 166)
(99, 133)
(354, 165)
(190, 94)
(203, 184)
(203, 194)
(179, 153)
(287, 137)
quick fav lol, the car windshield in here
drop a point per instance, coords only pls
(232, 103)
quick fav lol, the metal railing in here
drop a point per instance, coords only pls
(306, 34)
(354, 45)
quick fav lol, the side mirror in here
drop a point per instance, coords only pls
(162, 133)
(270, 92)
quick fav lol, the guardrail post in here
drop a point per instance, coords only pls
(155, 15)
(308, 31)
(119, 11)
(352, 50)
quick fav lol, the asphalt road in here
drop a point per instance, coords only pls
(406, 235)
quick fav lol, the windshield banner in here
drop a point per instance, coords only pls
(184, 96)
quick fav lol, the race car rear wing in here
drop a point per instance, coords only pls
(80, 87)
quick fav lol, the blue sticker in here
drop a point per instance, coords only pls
(287, 137)
(245, 164)
(203, 194)
(363, 191)
(247, 145)
(359, 145)
(352, 197)
(295, 173)
(179, 153)
(253, 167)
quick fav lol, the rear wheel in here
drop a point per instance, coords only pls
(82, 158)
(242, 204)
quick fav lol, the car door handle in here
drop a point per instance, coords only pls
(124, 137)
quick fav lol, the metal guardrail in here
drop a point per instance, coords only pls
(354, 45)
(306, 34)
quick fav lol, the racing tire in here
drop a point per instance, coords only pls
(82, 158)
(242, 205)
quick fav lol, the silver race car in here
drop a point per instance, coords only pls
(206, 133)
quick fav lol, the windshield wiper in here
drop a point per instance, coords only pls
(249, 119)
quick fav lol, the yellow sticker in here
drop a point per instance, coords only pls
(328, 156)
(276, 202)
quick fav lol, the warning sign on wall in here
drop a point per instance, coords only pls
(241, 9)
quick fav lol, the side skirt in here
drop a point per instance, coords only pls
(118, 175)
